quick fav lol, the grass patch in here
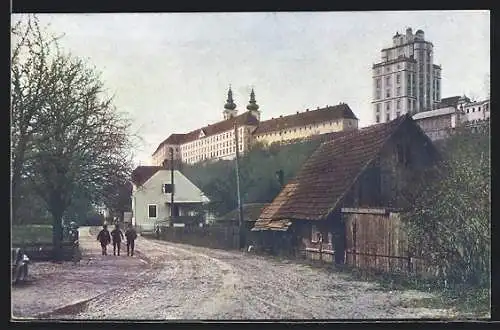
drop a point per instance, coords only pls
(30, 234)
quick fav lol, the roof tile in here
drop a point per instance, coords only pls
(329, 173)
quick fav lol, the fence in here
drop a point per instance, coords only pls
(375, 240)
(219, 237)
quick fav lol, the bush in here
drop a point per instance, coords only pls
(450, 222)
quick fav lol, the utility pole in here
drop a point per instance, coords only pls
(240, 206)
(172, 185)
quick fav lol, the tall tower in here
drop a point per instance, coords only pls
(253, 107)
(230, 107)
(406, 80)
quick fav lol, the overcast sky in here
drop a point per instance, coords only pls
(171, 72)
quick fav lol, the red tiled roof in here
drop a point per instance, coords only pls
(245, 118)
(330, 172)
(306, 118)
(142, 174)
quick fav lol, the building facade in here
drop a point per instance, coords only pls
(305, 124)
(151, 203)
(406, 80)
(438, 123)
(452, 112)
(476, 111)
(217, 141)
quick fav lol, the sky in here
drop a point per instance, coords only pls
(169, 72)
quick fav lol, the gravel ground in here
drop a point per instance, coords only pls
(53, 286)
(187, 282)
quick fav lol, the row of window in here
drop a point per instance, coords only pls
(478, 109)
(219, 153)
(399, 104)
(210, 140)
(387, 116)
(294, 130)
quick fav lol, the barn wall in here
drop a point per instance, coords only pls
(378, 242)
(405, 155)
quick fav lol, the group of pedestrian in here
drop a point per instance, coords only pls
(116, 236)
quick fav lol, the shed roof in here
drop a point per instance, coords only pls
(329, 173)
(251, 212)
(142, 174)
(434, 113)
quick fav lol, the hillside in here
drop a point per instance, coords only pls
(259, 183)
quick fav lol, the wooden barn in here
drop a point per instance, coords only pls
(352, 178)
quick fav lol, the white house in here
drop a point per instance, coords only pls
(151, 199)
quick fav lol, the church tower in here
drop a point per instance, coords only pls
(230, 107)
(253, 107)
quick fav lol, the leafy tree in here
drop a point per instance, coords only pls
(69, 140)
(450, 221)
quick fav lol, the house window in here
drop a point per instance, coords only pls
(398, 104)
(387, 106)
(377, 118)
(387, 81)
(377, 84)
(152, 211)
(377, 94)
(377, 108)
(398, 78)
(388, 93)
(398, 91)
(387, 116)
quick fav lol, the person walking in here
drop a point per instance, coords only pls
(117, 236)
(104, 238)
(131, 235)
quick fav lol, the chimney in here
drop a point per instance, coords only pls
(297, 112)
(281, 116)
(307, 110)
(317, 108)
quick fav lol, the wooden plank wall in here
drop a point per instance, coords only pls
(378, 240)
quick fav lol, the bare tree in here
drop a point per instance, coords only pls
(31, 84)
(80, 144)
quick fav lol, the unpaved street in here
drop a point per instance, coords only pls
(187, 282)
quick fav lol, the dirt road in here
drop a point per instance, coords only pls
(187, 282)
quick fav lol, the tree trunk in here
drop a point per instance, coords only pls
(57, 234)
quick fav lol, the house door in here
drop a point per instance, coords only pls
(338, 233)
(176, 210)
